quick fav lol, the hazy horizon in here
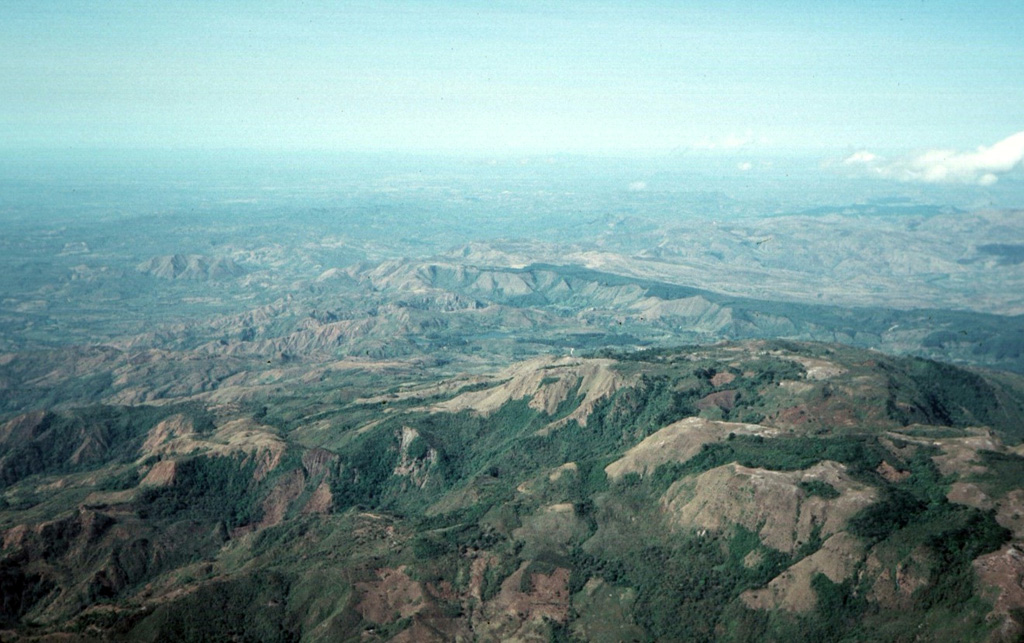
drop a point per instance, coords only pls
(874, 79)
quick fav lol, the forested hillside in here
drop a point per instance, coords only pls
(735, 492)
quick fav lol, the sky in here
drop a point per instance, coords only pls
(878, 84)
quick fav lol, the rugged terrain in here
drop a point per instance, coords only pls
(763, 489)
(420, 402)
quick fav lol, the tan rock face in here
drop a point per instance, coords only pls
(411, 465)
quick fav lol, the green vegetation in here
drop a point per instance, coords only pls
(929, 392)
(205, 489)
(860, 453)
(125, 480)
(86, 438)
(1004, 472)
(473, 498)
(249, 608)
(819, 488)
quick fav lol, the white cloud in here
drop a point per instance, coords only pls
(744, 166)
(638, 186)
(981, 167)
(859, 158)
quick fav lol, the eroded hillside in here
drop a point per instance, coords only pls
(763, 490)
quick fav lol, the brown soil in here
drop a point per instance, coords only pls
(891, 473)
(895, 585)
(721, 379)
(970, 494)
(725, 400)
(1002, 572)
(1010, 512)
(176, 426)
(284, 493)
(768, 502)
(391, 597)
(321, 500)
(792, 591)
(517, 615)
(161, 475)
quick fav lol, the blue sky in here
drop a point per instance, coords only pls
(519, 77)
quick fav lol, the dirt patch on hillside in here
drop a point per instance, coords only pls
(280, 498)
(248, 436)
(24, 427)
(604, 613)
(721, 379)
(176, 436)
(817, 369)
(970, 494)
(960, 455)
(1010, 512)
(161, 475)
(477, 569)
(725, 400)
(523, 606)
(104, 499)
(791, 590)
(320, 501)
(549, 530)
(548, 382)
(172, 435)
(896, 582)
(771, 503)
(1002, 573)
(891, 473)
(565, 469)
(391, 597)
(678, 442)
(796, 387)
